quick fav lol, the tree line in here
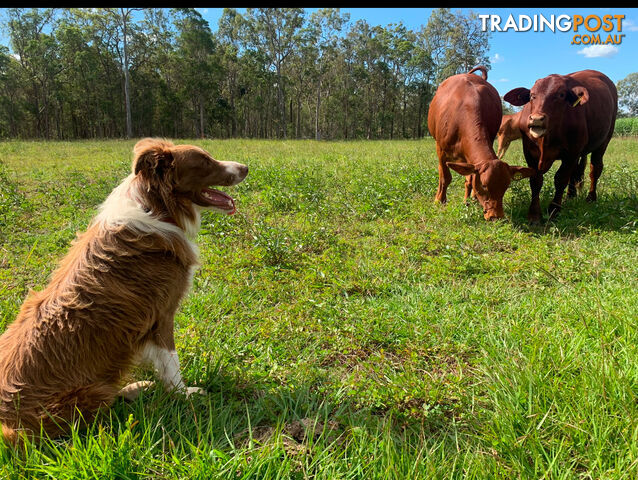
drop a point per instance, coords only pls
(267, 73)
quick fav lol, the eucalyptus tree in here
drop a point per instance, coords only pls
(12, 99)
(275, 31)
(36, 53)
(323, 29)
(456, 42)
(628, 93)
(199, 71)
(420, 74)
(229, 35)
(121, 19)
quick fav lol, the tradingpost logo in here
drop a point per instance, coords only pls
(588, 30)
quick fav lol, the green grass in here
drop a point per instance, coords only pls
(346, 326)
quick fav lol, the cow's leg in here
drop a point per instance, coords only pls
(445, 177)
(576, 180)
(595, 170)
(504, 143)
(561, 179)
(468, 188)
(535, 183)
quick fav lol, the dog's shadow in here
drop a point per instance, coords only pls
(239, 415)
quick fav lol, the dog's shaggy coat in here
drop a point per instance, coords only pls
(111, 302)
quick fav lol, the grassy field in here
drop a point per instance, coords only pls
(346, 326)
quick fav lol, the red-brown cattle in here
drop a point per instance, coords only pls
(464, 116)
(565, 117)
(508, 132)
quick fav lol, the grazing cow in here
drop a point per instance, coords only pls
(508, 132)
(464, 117)
(565, 117)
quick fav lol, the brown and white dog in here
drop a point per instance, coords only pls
(111, 302)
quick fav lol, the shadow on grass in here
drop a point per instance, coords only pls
(237, 409)
(238, 417)
(615, 213)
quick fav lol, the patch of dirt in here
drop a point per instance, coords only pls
(294, 435)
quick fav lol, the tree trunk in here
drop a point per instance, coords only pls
(298, 128)
(317, 108)
(418, 123)
(201, 118)
(403, 114)
(280, 101)
(127, 98)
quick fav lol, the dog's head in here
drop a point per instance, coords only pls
(176, 180)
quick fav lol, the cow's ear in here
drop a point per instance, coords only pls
(462, 168)
(518, 96)
(577, 96)
(519, 173)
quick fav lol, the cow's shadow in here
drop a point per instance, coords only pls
(616, 212)
(616, 208)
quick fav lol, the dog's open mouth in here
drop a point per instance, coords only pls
(215, 198)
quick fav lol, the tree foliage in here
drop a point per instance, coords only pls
(628, 93)
(268, 73)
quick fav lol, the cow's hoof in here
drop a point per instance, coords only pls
(535, 219)
(591, 197)
(553, 210)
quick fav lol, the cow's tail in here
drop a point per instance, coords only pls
(482, 69)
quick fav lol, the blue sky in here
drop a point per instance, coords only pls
(518, 58)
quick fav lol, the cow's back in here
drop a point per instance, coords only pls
(464, 105)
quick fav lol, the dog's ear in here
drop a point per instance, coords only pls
(152, 156)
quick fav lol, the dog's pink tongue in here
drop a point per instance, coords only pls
(220, 200)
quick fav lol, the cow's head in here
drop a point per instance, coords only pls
(490, 180)
(548, 99)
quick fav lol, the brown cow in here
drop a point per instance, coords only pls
(464, 117)
(565, 117)
(508, 132)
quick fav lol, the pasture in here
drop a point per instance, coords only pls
(346, 326)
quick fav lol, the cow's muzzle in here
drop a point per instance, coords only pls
(537, 125)
(493, 210)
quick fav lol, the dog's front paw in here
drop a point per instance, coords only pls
(133, 390)
(188, 391)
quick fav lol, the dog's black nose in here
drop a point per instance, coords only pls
(243, 171)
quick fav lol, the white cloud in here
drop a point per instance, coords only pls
(497, 58)
(599, 51)
(503, 79)
(629, 25)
